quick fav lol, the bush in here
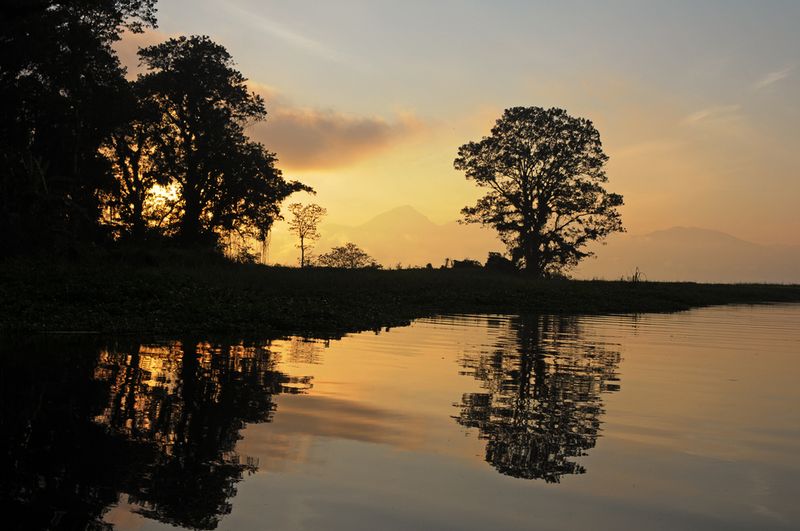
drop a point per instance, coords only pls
(348, 256)
(498, 262)
(466, 263)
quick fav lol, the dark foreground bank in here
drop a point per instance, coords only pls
(193, 293)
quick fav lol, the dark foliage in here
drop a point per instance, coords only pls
(304, 224)
(544, 171)
(83, 151)
(498, 262)
(60, 97)
(541, 403)
(347, 256)
(88, 421)
(466, 263)
(224, 180)
(175, 291)
(131, 150)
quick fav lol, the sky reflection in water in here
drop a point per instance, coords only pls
(462, 422)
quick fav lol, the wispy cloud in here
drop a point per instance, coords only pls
(773, 77)
(648, 148)
(282, 32)
(714, 113)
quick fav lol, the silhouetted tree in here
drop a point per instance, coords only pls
(131, 149)
(347, 256)
(195, 425)
(204, 106)
(60, 469)
(304, 224)
(254, 190)
(84, 423)
(542, 403)
(544, 171)
(60, 83)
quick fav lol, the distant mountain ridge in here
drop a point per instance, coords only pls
(693, 254)
(406, 236)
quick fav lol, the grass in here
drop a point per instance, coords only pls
(176, 293)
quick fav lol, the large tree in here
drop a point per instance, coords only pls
(253, 191)
(60, 82)
(249, 200)
(205, 104)
(544, 171)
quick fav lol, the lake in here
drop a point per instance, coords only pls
(688, 420)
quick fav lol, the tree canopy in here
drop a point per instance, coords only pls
(60, 96)
(347, 256)
(86, 155)
(223, 178)
(544, 171)
(541, 401)
(305, 225)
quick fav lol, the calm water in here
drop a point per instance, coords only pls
(688, 420)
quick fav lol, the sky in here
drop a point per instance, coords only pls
(696, 102)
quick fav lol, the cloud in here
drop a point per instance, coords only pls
(281, 32)
(714, 114)
(773, 77)
(305, 137)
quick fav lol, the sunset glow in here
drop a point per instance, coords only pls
(368, 101)
(400, 265)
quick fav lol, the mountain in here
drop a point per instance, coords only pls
(404, 235)
(694, 254)
(401, 235)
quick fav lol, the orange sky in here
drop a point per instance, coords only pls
(368, 101)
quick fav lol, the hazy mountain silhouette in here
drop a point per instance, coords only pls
(407, 236)
(401, 235)
(690, 253)
(405, 218)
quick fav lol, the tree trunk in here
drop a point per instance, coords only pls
(137, 228)
(532, 255)
(190, 222)
(302, 254)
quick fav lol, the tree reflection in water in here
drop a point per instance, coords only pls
(542, 401)
(156, 422)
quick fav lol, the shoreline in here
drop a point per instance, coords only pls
(216, 297)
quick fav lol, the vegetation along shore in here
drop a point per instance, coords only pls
(181, 292)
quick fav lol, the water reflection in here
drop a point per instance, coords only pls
(148, 435)
(156, 422)
(90, 424)
(541, 403)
